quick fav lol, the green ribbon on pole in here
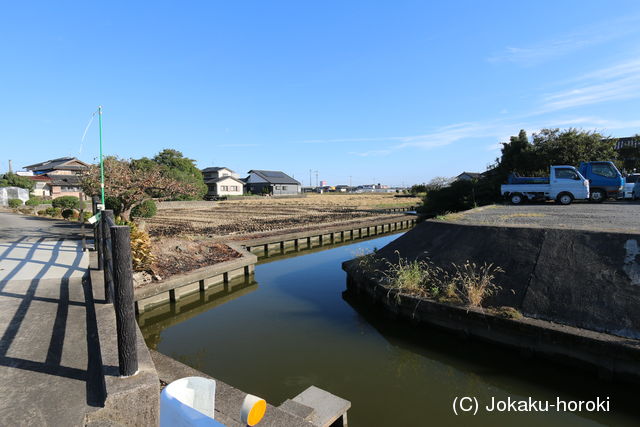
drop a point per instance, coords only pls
(101, 162)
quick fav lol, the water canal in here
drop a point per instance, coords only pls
(291, 327)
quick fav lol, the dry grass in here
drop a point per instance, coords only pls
(469, 284)
(267, 214)
(475, 282)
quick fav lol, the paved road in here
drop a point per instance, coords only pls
(16, 226)
(44, 349)
(608, 216)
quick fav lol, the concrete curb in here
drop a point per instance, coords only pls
(228, 399)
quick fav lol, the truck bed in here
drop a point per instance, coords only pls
(516, 180)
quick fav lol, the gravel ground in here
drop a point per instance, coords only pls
(608, 216)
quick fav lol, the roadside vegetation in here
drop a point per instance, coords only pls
(467, 284)
(525, 156)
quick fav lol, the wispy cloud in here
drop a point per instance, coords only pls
(618, 82)
(568, 43)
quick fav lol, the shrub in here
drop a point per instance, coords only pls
(34, 201)
(42, 212)
(14, 203)
(66, 202)
(141, 256)
(54, 212)
(67, 213)
(114, 204)
(26, 211)
(146, 209)
(86, 215)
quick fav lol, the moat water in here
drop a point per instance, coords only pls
(291, 327)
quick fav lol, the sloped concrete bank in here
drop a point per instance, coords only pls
(580, 290)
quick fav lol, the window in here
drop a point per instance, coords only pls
(284, 187)
(566, 173)
(234, 188)
(633, 178)
(604, 169)
(225, 188)
(277, 187)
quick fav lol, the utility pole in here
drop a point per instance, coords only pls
(316, 178)
(101, 162)
(349, 180)
(10, 168)
(310, 183)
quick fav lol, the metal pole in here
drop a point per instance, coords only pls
(101, 162)
(123, 301)
(107, 254)
(97, 233)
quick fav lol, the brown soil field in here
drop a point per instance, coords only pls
(238, 218)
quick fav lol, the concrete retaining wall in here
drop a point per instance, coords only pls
(175, 287)
(584, 279)
(612, 357)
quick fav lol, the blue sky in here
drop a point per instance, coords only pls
(395, 92)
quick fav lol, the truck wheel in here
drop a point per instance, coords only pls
(597, 196)
(516, 199)
(564, 198)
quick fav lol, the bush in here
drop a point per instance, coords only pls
(141, 256)
(66, 202)
(86, 215)
(146, 209)
(67, 213)
(26, 211)
(42, 212)
(34, 201)
(54, 212)
(14, 203)
(114, 204)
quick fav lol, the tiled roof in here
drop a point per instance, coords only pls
(275, 177)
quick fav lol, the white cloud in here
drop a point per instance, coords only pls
(568, 43)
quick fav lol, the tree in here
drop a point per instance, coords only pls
(10, 179)
(571, 146)
(131, 183)
(175, 166)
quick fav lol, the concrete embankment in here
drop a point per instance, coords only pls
(589, 281)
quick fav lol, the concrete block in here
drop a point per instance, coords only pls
(297, 409)
(328, 407)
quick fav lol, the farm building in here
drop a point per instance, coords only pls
(221, 182)
(271, 182)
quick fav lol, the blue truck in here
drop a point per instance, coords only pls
(605, 180)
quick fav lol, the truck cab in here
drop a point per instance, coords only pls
(604, 180)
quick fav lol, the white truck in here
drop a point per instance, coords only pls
(564, 185)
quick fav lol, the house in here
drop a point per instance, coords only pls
(58, 177)
(271, 182)
(468, 176)
(222, 182)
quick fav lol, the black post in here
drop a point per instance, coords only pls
(97, 232)
(107, 253)
(123, 300)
